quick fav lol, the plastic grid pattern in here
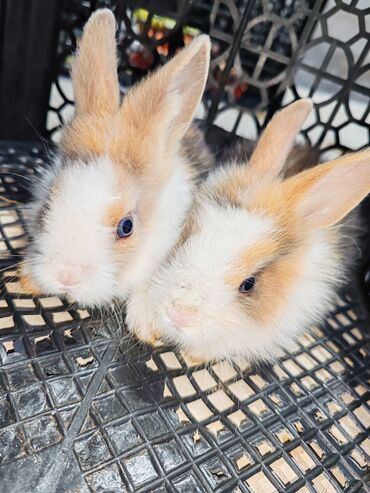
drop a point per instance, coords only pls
(255, 44)
(263, 51)
(85, 408)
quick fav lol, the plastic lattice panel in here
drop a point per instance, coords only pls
(266, 38)
(262, 52)
(84, 407)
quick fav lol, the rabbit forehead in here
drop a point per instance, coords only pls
(220, 235)
(82, 198)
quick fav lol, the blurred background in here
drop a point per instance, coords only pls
(265, 53)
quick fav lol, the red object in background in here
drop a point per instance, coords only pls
(141, 59)
(240, 90)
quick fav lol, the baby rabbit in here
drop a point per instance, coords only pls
(261, 256)
(112, 206)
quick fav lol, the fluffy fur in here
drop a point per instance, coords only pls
(117, 160)
(251, 221)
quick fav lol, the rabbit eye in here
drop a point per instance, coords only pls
(125, 227)
(247, 285)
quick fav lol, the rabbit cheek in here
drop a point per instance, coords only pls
(28, 284)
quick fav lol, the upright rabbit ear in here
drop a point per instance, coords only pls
(94, 70)
(277, 139)
(163, 105)
(322, 196)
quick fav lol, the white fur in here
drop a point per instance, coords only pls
(196, 278)
(169, 214)
(73, 235)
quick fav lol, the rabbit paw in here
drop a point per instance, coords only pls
(138, 321)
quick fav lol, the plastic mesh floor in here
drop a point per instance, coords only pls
(85, 408)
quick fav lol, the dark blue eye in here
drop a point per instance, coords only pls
(247, 285)
(125, 227)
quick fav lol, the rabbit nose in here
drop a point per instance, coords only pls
(71, 277)
(181, 316)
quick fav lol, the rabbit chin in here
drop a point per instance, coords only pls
(209, 340)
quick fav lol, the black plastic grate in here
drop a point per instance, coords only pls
(255, 44)
(83, 407)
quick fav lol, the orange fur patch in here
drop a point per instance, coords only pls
(114, 214)
(272, 289)
(27, 284)
(256, 257)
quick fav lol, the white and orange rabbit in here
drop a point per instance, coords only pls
(113, 203)
(261, 256)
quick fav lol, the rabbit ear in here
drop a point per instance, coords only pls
(322, 196)
(278, 138)
(94, 70)
(163, 105)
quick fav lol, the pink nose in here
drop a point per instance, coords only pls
(69, 278)
(181, 316)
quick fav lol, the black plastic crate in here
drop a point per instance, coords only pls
(85, 408)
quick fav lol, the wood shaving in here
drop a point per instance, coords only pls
(6, 322)
(258, 407)
(151, 365)
(34, 320)
(241, 390)
(14, 230)
(51, 302)
(204, 379)
(280, 373)
(302, 459)
(298, 426)
(199, 410)
(359, 459)
(243, 462)
(197, 437)
(224, 371)
(339, 437)
(220, 401)
(260, 484)
(333, 407)
(60, 317)
(216, 427)
(182, 416)
(171, 361)
(309, 383)
(19, 243)
(166, 392)
(81, 361)
(321, 483)
(24, 303)
(319, 415)
(184, 386)
(284, 436)
(237, 418)
(349, 426)
(323, 375)
(284, 471)
(219, 473)
(42, 338)
(258, 381)
(340, 477)
(292, 367)
(264, 448)
(83, 314)
(347, 398)
(317, 449)
(8, 345)
(363, 415)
